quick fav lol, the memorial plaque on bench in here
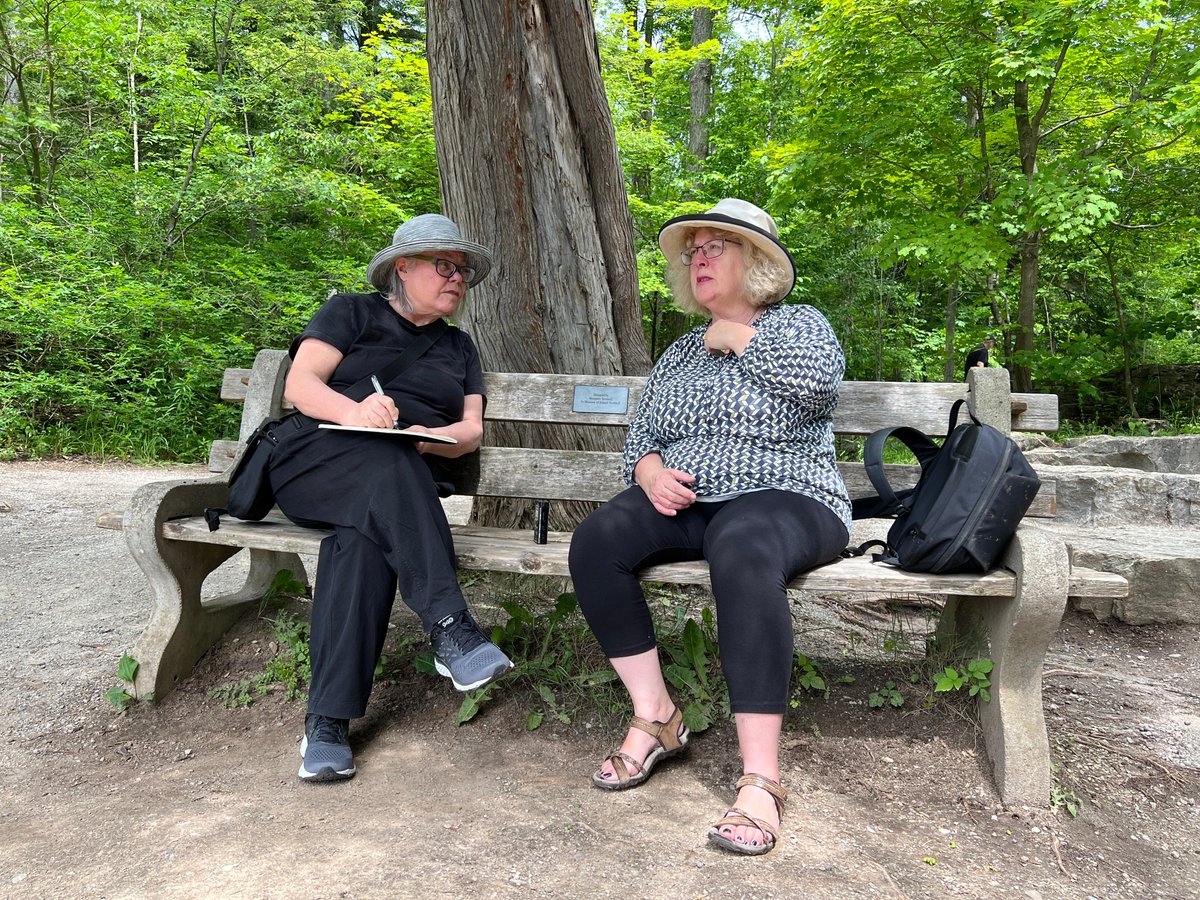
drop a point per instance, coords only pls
(597, 398)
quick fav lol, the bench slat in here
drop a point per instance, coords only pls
(865, 405)
(594, 475)
(503, 550)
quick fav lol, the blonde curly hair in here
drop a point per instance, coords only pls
(764, 283)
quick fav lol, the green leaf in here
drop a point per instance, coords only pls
(698, 717)
(534, 720)
(118, 697)
(424, 663)
(127, 668)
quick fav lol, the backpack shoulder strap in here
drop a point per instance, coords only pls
(917, 441)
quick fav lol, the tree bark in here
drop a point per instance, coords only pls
(528, 162)
(700, 91)
(1119, 304)
(950, 369)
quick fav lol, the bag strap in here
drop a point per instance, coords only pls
(958, 404)
(414, 351)
(918, 442)
(886, 556)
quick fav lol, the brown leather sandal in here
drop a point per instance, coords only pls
(736, 817)
(672, 737)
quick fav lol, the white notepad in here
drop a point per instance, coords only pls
(396, 432)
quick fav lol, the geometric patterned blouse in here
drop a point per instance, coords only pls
(748, 423)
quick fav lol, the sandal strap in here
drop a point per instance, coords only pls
(774, 788)
(666, 733)
(621, 763)
(736, 817)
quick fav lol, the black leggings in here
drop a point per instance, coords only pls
(754, 543)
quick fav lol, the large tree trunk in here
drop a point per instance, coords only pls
(528, 162)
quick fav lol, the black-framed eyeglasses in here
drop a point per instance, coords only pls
(446, 268)
(711, 249)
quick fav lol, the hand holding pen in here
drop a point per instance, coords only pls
(387, 400)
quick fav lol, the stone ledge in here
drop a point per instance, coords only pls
(1179, 454)
(1162, 565)
(1103, 496)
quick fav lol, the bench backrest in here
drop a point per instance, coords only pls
(609, 401)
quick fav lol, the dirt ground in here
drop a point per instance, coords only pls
(188, 799)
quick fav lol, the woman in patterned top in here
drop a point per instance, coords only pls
(730, 458)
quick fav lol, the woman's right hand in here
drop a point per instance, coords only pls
(307, 388)
(665, 488)
(374, 411)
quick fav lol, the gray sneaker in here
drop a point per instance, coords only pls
(326, 750)
(464, 655)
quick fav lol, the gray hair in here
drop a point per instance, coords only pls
(395, 291)
(763, 282)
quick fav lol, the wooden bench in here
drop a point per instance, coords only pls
(1015, 609)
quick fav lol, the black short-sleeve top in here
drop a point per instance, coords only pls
(370, 334)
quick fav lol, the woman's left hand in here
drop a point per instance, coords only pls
(724, 336)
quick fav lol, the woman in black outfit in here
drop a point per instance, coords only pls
(380, 492)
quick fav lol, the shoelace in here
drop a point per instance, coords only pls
(463, 632)
(328, 731)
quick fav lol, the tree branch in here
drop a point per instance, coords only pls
(1071, 121)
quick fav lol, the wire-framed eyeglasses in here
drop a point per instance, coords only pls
(446, 268)
(711, 249)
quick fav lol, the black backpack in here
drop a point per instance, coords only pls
(965, 507)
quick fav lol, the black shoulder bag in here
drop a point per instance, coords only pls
(250, 493)
(966, 506)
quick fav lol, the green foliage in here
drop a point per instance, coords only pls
(974, 678)
(268, 164)
(807, 675)
(888, 695)
(1063, 798)
(694, 671)
(885, 140)
(290, 666)
(553, 655)
(122, 695)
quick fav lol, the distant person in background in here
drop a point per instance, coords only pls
(979, 356)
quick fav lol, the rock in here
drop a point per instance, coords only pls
(1118, 497)
(1179, 454)
(1161, 563)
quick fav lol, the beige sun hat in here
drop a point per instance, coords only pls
(738, 217)
(422, 235)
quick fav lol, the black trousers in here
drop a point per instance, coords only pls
(754, 543)
(379, 496)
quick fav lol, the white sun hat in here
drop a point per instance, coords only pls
(738, 217)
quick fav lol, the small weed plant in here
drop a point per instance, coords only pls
(807, 676)
(123, 694)
(290, 667)
(694, 671)
(888, 695)
(552, 652)
(1062, 798)
(974, 678)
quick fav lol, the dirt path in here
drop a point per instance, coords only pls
(187, 799)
